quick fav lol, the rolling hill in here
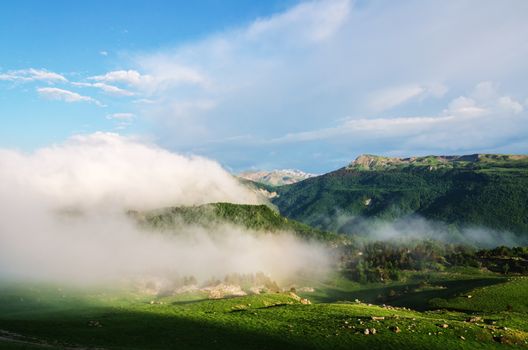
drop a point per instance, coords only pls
(252, 217)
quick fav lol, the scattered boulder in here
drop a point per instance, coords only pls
(395, 329)
(499, 339)
(443, 325)
(93, 323)
(474, 319)
(366, 331)
(299, 299)
(224, 290)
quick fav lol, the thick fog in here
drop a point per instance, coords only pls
(63, 216)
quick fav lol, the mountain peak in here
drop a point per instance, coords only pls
(276, 177)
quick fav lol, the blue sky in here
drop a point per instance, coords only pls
(269, 84)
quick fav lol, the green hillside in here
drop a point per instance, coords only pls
(253, 217)
(477, 190)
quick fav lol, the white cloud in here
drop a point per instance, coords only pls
(110, 89)
(65, 95)
(510, 104)
(464, 106)
(103, 53)
(114, 90)
(463, 125)
(130, 77)
(164, 74)
(89, 171)
(32, 74)
(487, 94)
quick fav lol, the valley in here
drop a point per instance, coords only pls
(419, 291)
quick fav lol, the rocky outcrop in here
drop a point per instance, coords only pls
(373, 162)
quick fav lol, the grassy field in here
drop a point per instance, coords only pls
(511, 297)
(35, 317)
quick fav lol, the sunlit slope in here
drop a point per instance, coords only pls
(252, 217)
(477, 190)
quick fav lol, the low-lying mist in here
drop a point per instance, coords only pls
(63, 217)
(415, 227)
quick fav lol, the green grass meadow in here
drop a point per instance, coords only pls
(48, 316)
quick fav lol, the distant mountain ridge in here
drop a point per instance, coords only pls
(483, 190)
(276, 177)
(374, 162)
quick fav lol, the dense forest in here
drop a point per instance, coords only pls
(385, 261)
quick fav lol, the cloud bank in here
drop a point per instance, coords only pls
(90, 171)
(337, 78)
(63, 216)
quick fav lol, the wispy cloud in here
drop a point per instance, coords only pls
(32, 74)
(122, 120)
(109, 89)
(391, 97)
(52, 93)
(162, 76)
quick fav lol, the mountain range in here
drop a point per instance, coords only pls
(477, 190)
